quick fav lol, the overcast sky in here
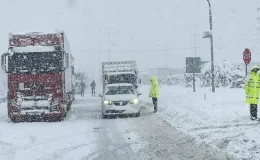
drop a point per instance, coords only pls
(155, 33)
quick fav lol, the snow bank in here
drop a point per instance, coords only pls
(226, 75)
(221, 119)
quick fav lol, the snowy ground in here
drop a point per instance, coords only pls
(221, 120)
(85, 135)
(186, 123)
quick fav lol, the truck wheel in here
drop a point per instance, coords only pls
(14, 120)
(104, 116)
(69, 107)
(137, 114)
(65, 114)
(61, 119)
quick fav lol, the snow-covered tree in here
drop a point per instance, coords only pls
(226, 74)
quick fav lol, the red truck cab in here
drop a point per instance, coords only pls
(40, 70)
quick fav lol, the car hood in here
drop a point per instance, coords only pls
(120, 97)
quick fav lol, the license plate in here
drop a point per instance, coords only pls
(34, 113)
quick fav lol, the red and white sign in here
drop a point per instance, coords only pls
(247, 56)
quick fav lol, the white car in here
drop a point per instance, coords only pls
(120, 99)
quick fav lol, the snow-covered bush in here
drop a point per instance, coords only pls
(226, 74)
(176, 79)
(189, 80)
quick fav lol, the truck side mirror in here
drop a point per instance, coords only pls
(4, 62)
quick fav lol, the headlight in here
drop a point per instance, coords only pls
(107, 102)
(134, 101)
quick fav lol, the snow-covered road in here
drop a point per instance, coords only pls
(85, 135)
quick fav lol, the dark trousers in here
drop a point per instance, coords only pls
(93, 91)
(155, 103)
(82, 93)
(253, 110)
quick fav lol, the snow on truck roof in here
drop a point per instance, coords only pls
(117, 73)
(38, 32)
(119, 84)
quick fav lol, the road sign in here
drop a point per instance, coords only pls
(193, 65)
(247, 56)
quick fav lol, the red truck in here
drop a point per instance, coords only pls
(40, 70)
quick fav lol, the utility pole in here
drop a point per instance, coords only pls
(109, 38)
(99, 71)
(165, 58)
(194, 79)
(195, 54)
(195, 45)
(109, 45)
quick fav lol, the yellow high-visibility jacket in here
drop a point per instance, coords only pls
(252, 86)
(154, 90)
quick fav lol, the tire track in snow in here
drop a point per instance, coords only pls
(165, 142)
(111, 144)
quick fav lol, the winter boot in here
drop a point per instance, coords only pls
(253, 111)
(155, 108)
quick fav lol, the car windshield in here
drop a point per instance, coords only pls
(120, 90)
(42, 62)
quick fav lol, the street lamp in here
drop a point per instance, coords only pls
(210, 35)
(109, 37)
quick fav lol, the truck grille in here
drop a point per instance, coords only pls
(36, 108)
(120, 103)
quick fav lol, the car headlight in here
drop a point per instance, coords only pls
(134, 101)
(107, 102)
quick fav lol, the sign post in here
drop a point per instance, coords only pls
(247, 57)
(193, 65)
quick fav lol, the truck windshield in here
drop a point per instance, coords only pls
(122, 78)
(120, 90)
(40, 62)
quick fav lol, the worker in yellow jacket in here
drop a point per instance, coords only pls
(154, 92)
(252, 87)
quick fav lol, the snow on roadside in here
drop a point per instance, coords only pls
(31, 141)
(221, 119)
(40, 140)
